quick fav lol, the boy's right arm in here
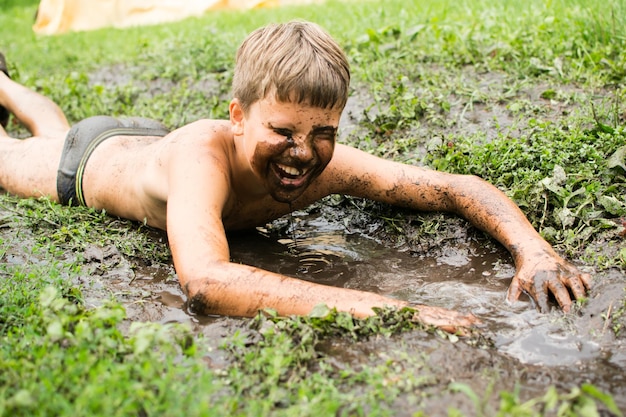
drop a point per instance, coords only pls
(198, 189)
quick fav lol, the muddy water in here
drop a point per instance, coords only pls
(471, 277)
(535, 349)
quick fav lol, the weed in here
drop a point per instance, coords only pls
(565, 178)
(277, 354)
(587, 400)
(616, 316)
(78, 227)
(554, 69)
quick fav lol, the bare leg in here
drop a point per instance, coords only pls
(40, 115)
(28, 167)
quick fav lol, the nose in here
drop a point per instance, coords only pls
(301, 149)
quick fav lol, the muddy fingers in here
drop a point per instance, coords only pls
(448, 320)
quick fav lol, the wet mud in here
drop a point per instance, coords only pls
(467, 272)
(462, 270)
(470, 274)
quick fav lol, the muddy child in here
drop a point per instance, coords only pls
(276, 153)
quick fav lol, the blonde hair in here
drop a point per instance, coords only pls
(297, 61)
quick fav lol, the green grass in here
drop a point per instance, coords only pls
(562, 178)
(556, 69)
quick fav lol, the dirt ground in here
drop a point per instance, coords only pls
(338, 245)
(467, 273)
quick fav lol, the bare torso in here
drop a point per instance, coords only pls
(130, 177)
(214, 189)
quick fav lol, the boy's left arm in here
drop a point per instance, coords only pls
(540, 270)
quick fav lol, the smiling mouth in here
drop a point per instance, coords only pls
(290, 175)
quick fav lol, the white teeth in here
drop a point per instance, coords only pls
(290, 170)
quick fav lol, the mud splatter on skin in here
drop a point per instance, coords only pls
(209, 296)
(203, 303)
(198, 297)
(199, 304)
(286, 145)
(263, 166)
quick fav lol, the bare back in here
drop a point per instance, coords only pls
(134, 177)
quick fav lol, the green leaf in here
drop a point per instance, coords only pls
(551, 398)
(320, 311)
(565, 216)
(22, 398)
(548, 94)
(618, 159)
(606, 399)
(586, 407)
(612, 204)
(555, 182)
(48, 296)
(55, 330)
(465, 389)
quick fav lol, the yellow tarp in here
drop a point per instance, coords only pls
(59, 16)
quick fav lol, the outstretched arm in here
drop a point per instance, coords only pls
(540, 270)
(214, 285)
(198, 193)
(232, 289)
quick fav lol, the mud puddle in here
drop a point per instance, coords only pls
(533, 349)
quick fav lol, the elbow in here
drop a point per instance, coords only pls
(217, 296)
(200, 296)
(202, 290)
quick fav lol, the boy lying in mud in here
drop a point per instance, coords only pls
(277, 153)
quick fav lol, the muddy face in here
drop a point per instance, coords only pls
(288, 145)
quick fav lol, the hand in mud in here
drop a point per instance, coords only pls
(547, 274)
(448, 320)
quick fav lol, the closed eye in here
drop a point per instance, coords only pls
(326, 133)
(284, 132)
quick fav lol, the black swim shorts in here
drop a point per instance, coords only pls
(80, 143)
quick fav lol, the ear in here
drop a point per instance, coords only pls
(236, 116)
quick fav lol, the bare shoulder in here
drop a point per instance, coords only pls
(202, 140)
(202, 146)
(187, 157)
(202, 130)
